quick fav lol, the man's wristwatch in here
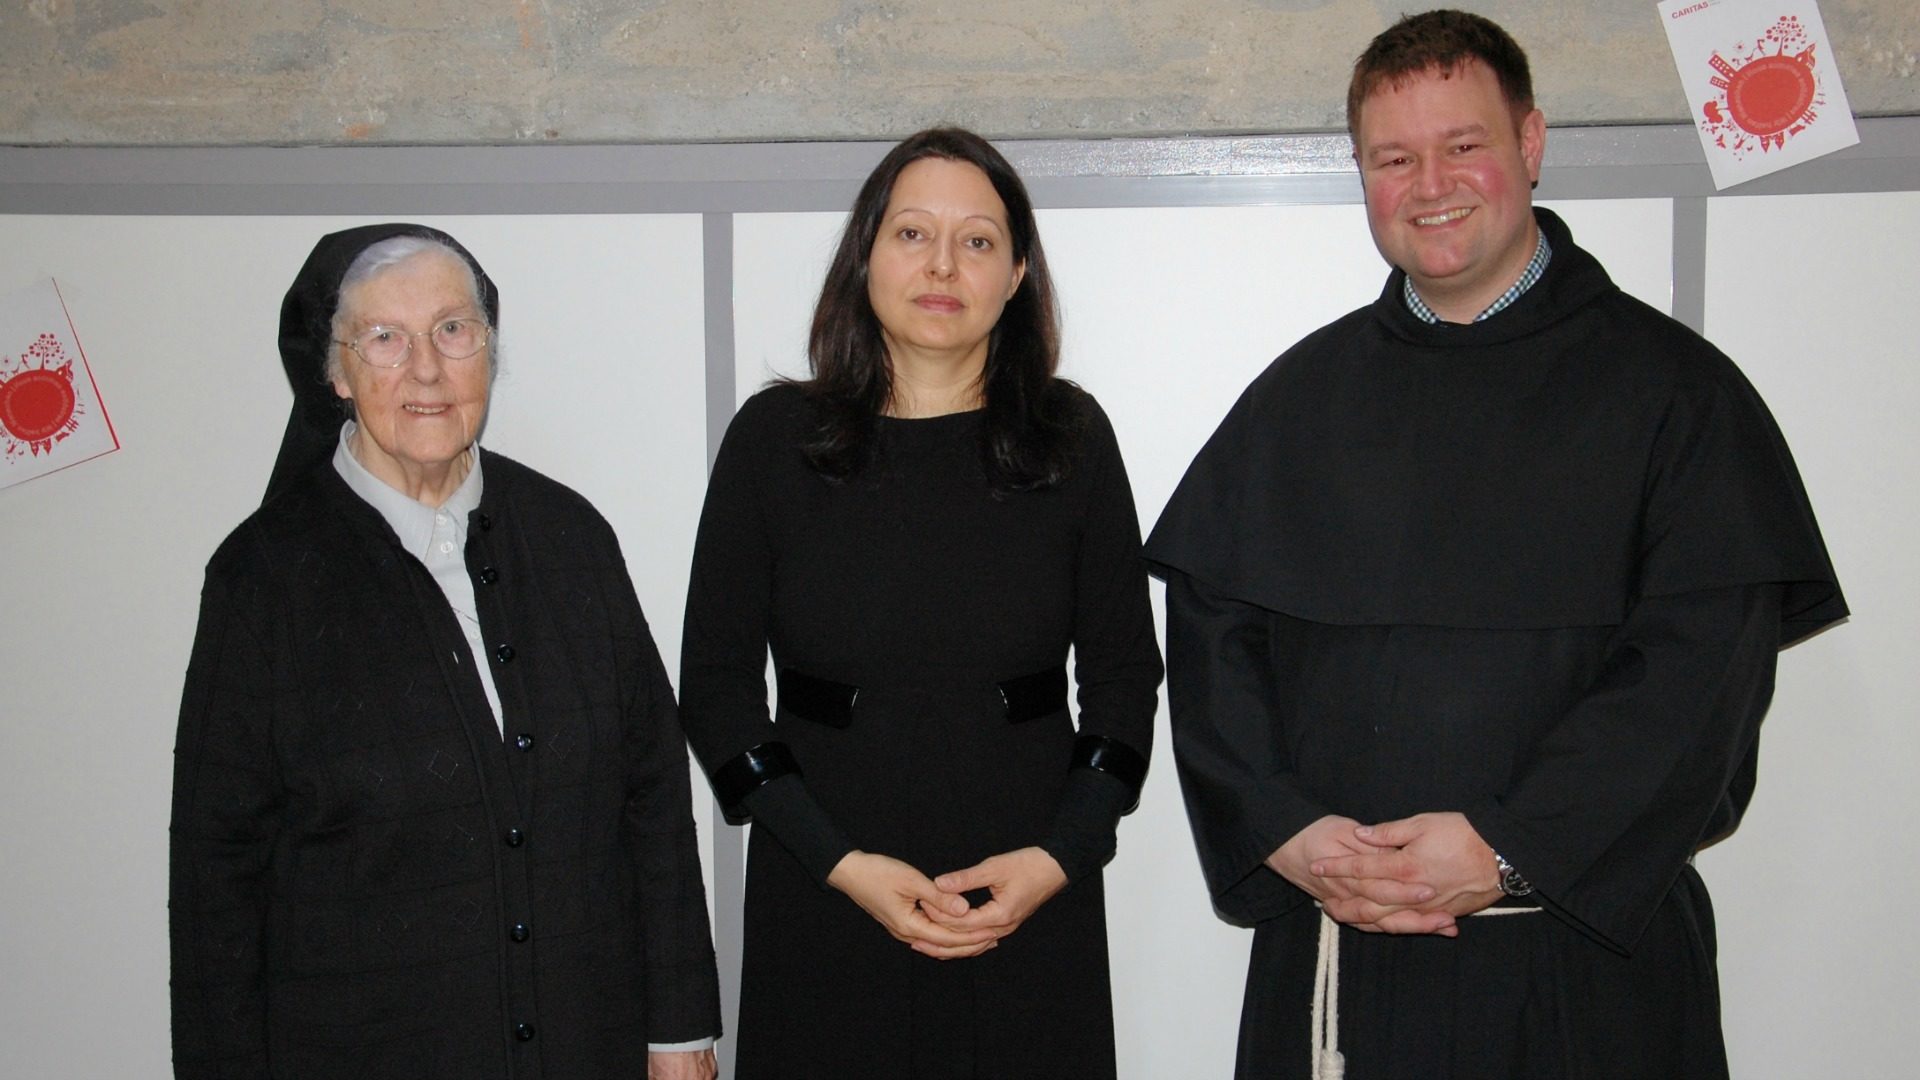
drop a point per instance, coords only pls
(1511, 883)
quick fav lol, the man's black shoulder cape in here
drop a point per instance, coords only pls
(1543, 468)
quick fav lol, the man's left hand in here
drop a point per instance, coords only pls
(1440, 850)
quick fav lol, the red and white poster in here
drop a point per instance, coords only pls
(51, 415)
(1761, 80)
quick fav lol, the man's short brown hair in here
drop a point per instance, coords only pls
(1439, 40)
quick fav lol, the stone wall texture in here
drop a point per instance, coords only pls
(321, 72)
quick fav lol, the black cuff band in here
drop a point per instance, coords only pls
(737, 778)
(1115, 758)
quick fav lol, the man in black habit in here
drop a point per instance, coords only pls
(1473, 603)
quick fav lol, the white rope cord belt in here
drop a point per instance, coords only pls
(1328, 1062)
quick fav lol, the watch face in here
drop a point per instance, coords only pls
(1513, 884)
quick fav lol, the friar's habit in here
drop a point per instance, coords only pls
(1535, 569)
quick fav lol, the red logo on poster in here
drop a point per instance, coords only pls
(37, 404)
(1768, 91)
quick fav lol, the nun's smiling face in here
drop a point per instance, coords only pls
(415, 422)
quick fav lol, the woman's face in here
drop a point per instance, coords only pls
(942, 264)
(419, 418)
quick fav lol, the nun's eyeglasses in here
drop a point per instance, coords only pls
(390, 346)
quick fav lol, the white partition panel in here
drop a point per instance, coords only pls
(604, 380)
(100, 565)
(1632, 238)
(1813, 295)
(1168, 314)
(779, 261)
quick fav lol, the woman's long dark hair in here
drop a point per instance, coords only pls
(1032, 420)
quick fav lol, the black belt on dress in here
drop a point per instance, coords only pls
(824, 701)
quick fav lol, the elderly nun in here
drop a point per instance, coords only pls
(430, 803)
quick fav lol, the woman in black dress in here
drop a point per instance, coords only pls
(921, 532)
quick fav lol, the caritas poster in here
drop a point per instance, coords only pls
(51, 415)
(1761, 80)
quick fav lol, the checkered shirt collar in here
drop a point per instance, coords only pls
(1536, 266)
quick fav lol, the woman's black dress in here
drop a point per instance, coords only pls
(916, 583)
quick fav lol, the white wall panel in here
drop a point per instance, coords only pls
(1632, 238)
(779, 261)
(1813, 296)
(1168, 315)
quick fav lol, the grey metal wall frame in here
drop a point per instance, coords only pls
(1581, 163)
(718, 181)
